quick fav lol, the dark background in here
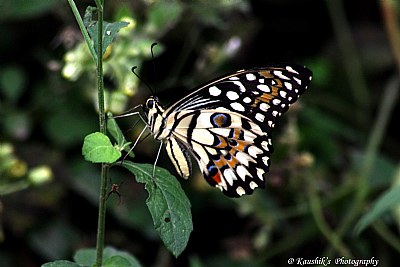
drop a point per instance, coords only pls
(322, 144)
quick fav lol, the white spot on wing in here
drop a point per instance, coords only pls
(232, 95)
(265, 160)
(260, 173)
(279, 74)
(241, 157)
(244, 158)
(264, 106)
(240, 191)
(288, 85)
(242, 171)
(264, 145)
(214, 91)
(253, 151)
(237, 106)
(260, 117)
(290, 69)
(264, 88)
(229, 176)
(276, 101)
(297, 80)
(250, 76)
(247, 100)
(253, 185)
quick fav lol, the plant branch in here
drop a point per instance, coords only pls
(102, 123)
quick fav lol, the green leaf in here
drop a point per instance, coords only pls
(116, 133)
(97, 148)
(110, 30)
(386, 202)
(168, 205)
(110, 256)
(116, 261)
(85, 256)
(62, 263)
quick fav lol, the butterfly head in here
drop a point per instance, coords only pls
(153, 111)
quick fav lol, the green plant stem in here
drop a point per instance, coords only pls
(102, 215)
(351, 61)
(83, 30)
(102, 123)
(317, 213)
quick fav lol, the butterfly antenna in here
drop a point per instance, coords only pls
(154, 66)
(142, 80)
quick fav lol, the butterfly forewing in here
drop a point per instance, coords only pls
(226, 125)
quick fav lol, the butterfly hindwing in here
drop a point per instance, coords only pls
(231, 150)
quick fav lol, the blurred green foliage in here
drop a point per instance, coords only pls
(322, 161)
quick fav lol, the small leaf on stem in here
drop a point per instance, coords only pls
(97, 148)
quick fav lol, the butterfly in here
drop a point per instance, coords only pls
(226, 125)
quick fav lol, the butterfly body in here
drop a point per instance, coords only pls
(226, 125)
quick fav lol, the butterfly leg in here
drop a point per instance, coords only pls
(127, 115)
(137, 140)
(155, 162)
(140, 135)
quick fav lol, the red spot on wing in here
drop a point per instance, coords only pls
(217, 177)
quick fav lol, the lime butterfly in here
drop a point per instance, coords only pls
(226, 125)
